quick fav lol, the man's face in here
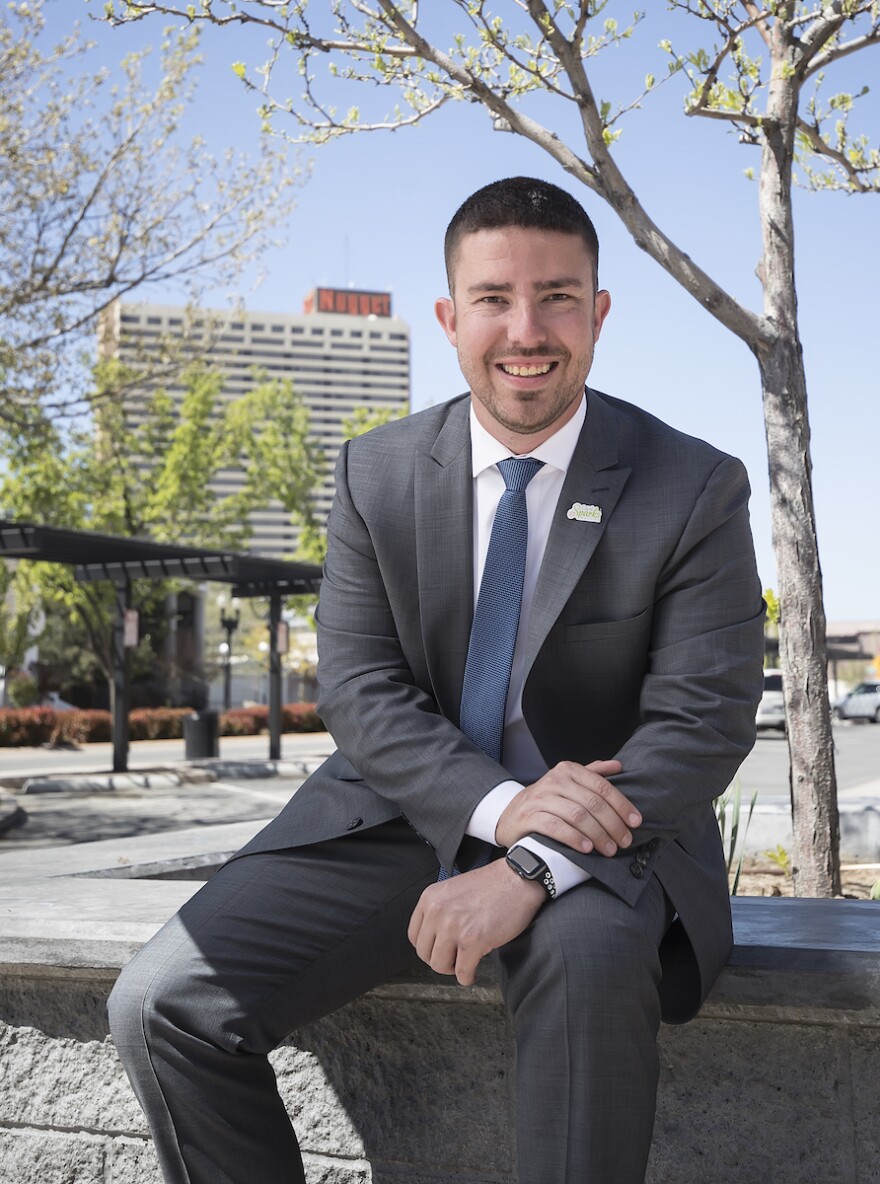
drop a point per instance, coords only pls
(524, 321)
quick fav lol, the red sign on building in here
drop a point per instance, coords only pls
(348, 301)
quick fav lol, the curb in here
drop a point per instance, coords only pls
(167, 777)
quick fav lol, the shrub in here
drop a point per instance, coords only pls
(244, 721)
(43, 725)
(300, 717)
(26, 725)
(82, 727)
(157, 723)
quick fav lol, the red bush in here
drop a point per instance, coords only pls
(157, 723)
(43, 725)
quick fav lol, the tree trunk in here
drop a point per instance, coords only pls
(815, 856)
(815, 824)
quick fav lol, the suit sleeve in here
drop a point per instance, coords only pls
(702, 683)
(381, 714)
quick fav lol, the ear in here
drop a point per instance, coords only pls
(601, 309)
(444, 311)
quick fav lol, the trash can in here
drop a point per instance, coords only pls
(201, 735)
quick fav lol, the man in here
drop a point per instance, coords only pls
(553, 743)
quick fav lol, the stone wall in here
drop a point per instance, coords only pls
(413, 1085)
(776, 1082)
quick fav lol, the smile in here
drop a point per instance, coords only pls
(527, 371)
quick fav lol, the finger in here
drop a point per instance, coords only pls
(443, 956)
(606, 768)
(415, 925)
(607, 794)
(466, 967)
(571, 824)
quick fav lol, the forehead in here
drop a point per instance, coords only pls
(512, 254)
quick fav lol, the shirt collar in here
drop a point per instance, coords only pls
(556, 452)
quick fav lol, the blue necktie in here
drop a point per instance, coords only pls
(496, 618)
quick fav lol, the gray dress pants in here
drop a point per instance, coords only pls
(276, 940)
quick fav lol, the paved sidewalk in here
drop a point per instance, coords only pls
(86, 802)
(56, 798)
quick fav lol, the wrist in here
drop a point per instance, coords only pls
(531, 868)
(528, 889)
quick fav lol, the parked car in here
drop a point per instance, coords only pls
(861, 703)
(771, 709)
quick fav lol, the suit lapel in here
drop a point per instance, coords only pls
(444, 552)
(592, 479)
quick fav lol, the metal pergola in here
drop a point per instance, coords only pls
(96, 557)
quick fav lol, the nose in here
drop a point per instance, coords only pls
(526, 326)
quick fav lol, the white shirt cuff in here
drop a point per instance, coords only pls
(565, 874)
(484, 820)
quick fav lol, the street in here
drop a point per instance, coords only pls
(856, 756)
(765, 769)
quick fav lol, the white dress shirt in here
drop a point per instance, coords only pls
(521, 756)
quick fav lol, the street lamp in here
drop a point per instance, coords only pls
(229, 624)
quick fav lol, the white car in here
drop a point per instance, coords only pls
(863, 702)
(771, 709)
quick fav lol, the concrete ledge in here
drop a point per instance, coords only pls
(775, 1083)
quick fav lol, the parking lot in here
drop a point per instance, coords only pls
(856, 755)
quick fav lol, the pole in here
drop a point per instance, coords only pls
(120, 677)
(274, 678)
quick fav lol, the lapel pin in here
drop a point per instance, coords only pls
(581, 513)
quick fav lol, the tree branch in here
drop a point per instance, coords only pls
(608, 181)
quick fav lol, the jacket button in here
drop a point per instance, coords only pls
(355, 823)
(642, 859)
(637, 870)
(653, 845)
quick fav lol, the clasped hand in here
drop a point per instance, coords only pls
(460, 920)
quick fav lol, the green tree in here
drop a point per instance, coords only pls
(18, 619)
(146, 472)
(762, 77)
(102, 197)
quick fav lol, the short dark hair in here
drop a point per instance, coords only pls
(526, 202)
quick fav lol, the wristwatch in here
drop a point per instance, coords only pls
(531, 867)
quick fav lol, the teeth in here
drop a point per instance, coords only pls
(527, 371)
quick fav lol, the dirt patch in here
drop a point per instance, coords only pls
(857, 880)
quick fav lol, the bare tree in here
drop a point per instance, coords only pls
(101, 197)
(762, 76)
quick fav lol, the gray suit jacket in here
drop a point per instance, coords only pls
(645, 644)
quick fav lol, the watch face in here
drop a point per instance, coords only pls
(530, 864)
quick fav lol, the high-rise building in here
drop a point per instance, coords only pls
(344, 351)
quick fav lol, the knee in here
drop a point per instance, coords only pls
(154, 999)
(126, 1006)
(567, 959)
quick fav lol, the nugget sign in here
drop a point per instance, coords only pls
(348, 301)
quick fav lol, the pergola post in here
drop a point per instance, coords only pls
(274, 678)
(121, 695)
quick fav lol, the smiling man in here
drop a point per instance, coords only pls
(540, 637)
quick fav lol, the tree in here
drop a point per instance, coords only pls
(756, 79)
(149, 475)
(101, 198)
(18, 621)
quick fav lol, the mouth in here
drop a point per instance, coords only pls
(530, 370)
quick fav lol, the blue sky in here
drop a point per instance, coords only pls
(375, 208)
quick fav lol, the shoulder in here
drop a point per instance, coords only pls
(417, 431)
(394, 448)
(648, 443)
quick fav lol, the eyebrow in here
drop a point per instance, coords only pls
(541, 286)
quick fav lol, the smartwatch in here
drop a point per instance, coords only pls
(531, 867)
